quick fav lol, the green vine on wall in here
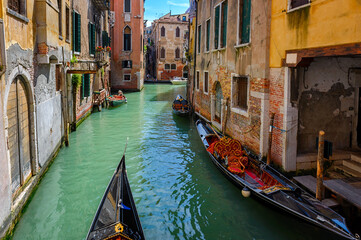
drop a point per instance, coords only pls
(76, 81)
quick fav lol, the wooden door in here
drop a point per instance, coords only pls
(19, 134)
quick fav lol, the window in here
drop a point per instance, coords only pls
(127, 38)
(85, 85)
(199, 38)
(76, 32)
(208, 33)
(127, 64)
(127, 6)
(162, 32)
(127, 77)
(177, 53)
(173, 66)
(177, 32)
(184, 18)
(205, 83)
(162, 53)
(220, 25)
(297, 3)
(105, 39)
(91, 38)
(240, 92)
(167, 66)
(67, 23)
(244, 20)
(197, 81)
(60, 22)
(18, 6)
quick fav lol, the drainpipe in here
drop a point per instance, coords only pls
(195, 55)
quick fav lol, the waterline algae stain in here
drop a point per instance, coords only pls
(178, 192)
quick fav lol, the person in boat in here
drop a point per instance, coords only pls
(120, 93)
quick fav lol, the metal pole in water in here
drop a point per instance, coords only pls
(321, 146)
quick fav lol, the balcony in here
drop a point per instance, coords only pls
(102, 57)
(102, 4)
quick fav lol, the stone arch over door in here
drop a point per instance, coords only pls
(20, 129)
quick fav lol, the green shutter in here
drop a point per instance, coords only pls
(93, 39)
(86, 85)
(216, 27)
(224, 33)
(90, 29)
(79, 33)
(74, 40)
(246, 20)
(208, 33)
(199, 38)
(103, 39)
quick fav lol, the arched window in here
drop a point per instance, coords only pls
(127, 38)
(162, 31)
(177, 53)
(162, 53)
(177, 32)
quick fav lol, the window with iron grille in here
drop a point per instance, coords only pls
(162, 32)
(244, 21)
(205, 83)
(18, 6)
(177, 53)
(240, 92)
(297, 3)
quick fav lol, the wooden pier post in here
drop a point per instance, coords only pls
(321, 146)
(270, 139)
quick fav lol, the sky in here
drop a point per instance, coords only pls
(154, 9)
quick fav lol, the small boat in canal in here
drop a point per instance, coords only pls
(179, 81)
(117, 217)
(181, 106)
(117, 99)
(265, 183)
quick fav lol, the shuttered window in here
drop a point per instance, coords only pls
(205, 82)
(67, 24)
(244, 21)
(199, 38)
(85, 85)
(91, 38)
(208, 33)
(216, 26)
(76, 32)
(240, 92)
(224, 24)
(105, 39)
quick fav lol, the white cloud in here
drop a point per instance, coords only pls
(178, 4)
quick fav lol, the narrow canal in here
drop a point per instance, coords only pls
(179, 193)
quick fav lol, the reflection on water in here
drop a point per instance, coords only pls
(178, 192)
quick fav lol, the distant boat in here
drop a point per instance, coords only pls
(117, 217)
(265, 183)
(181, 106)
(179, 81)
(116, 100)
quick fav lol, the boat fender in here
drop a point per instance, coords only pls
(119, 228)
(246, 192)
(357, 236)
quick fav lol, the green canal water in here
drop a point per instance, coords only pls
(179, 193)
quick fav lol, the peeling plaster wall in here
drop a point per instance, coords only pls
(327, 101)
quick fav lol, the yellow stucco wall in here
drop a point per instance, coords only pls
(323, 23)
(18, 31)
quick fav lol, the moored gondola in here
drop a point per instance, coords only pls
(262, 181)
(117, 217)
(181, 106)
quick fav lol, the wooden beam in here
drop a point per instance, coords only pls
(81, 71)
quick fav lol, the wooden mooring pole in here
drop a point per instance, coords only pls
(321, 147)
(270, 139)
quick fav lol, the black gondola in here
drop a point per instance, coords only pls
(117, 217)
(262, 181)
(181, 106)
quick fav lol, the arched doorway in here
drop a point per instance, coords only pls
(19, 133)
(218, 107)
(185, 72)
